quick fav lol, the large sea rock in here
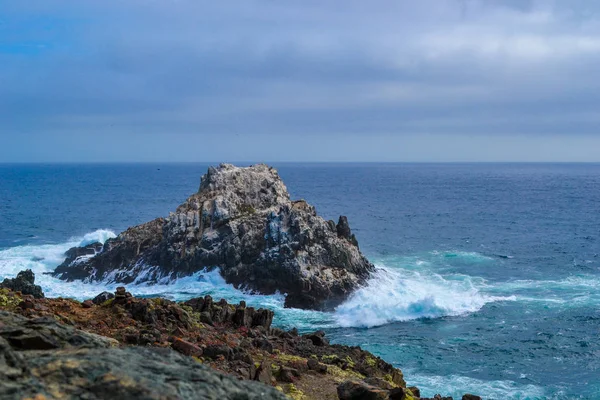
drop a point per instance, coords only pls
(243, 222)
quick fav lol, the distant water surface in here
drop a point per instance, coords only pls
(489, 279)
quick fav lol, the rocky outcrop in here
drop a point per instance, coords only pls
(75, 254)
(24, 283)
(71, 364)
(243, 222)
(236, 315)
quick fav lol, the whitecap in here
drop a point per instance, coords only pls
(396, 294)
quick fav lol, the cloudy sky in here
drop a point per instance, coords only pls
(403, 80)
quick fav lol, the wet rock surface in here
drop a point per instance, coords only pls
(243, 222)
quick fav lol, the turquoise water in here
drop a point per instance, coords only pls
(489, 276)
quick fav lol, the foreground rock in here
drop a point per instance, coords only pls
(71, 364)
(24, 283)
(243, 222)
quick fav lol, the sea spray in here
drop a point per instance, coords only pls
(100, 235)
(396, 294)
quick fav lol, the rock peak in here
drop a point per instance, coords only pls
(243, 222)
(229, 192)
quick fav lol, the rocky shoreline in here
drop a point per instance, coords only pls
(116, 346)
(120, 346)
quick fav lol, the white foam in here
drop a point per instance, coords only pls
(398, 294)
(462, 255)
(456, 386)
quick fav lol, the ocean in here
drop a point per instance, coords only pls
(489, 278)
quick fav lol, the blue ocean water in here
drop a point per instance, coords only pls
(489, 279)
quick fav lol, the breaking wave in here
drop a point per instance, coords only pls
(395, 294)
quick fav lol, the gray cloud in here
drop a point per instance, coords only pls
(440, 67)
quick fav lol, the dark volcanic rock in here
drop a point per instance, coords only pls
(223, 312)
(24, 283)
(120, 253)
(99, 371)
(318, 338)
(102, 298)
(243, 222)
(314, 365)
(351, 390)
(75, 254)
(415, 391)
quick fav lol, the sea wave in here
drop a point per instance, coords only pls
(100, 235)
(42, 259)
(396, 294)
(456, 386)
(570, 292)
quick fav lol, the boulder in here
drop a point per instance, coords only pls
(87, 304)
(243, 222)
(103, 298)
(318, 338)
(288, 375)
(415, 391)
(187, 348)
(470, 397)
(216, 350)
(352, 390)
(314, 365)
(24, 283)
(398, 393)
(264, 374)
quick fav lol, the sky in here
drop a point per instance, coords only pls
(267, 80)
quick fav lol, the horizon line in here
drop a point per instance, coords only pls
(282, 162)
